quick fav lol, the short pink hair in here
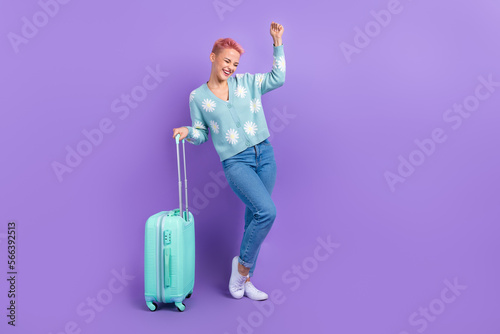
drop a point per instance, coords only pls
(227, 43)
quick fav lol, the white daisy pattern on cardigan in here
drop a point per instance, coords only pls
(199, 125)
(255, 105)
(191, 96)
(259, 78)
(240, 91)
(232, 136)
(196, 133)
(240, 75)
(280, 63)
(208, 105)
(214, 126)
(250, 128)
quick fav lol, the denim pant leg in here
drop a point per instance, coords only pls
(266, 169)
(252, 174)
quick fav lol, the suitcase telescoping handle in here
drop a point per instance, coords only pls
(185, 176)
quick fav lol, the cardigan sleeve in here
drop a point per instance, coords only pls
(276, 78)
(198, 132)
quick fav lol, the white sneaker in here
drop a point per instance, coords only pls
(253, 293)
(237, 281)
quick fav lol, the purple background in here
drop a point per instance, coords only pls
(348, 124)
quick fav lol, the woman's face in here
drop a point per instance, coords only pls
(224, 64)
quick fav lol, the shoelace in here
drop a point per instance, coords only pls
(253, 288)
(239, 283)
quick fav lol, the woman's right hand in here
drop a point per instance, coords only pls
(183, 131)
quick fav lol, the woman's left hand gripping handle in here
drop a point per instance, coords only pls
(182, 133)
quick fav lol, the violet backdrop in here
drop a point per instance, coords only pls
(385, 135)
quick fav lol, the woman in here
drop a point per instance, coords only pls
(231, 107)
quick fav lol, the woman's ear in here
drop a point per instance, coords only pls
(212, 57)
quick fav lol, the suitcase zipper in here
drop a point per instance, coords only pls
(159, 252)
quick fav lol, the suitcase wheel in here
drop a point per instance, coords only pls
(189, 294)
(180, 306)
(152, 306)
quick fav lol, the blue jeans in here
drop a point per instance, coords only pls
(252, 174)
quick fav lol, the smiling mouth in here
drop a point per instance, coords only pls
(226, 72)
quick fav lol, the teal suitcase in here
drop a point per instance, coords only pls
(169, 252)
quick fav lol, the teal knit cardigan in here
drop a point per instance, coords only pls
(240, 122)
